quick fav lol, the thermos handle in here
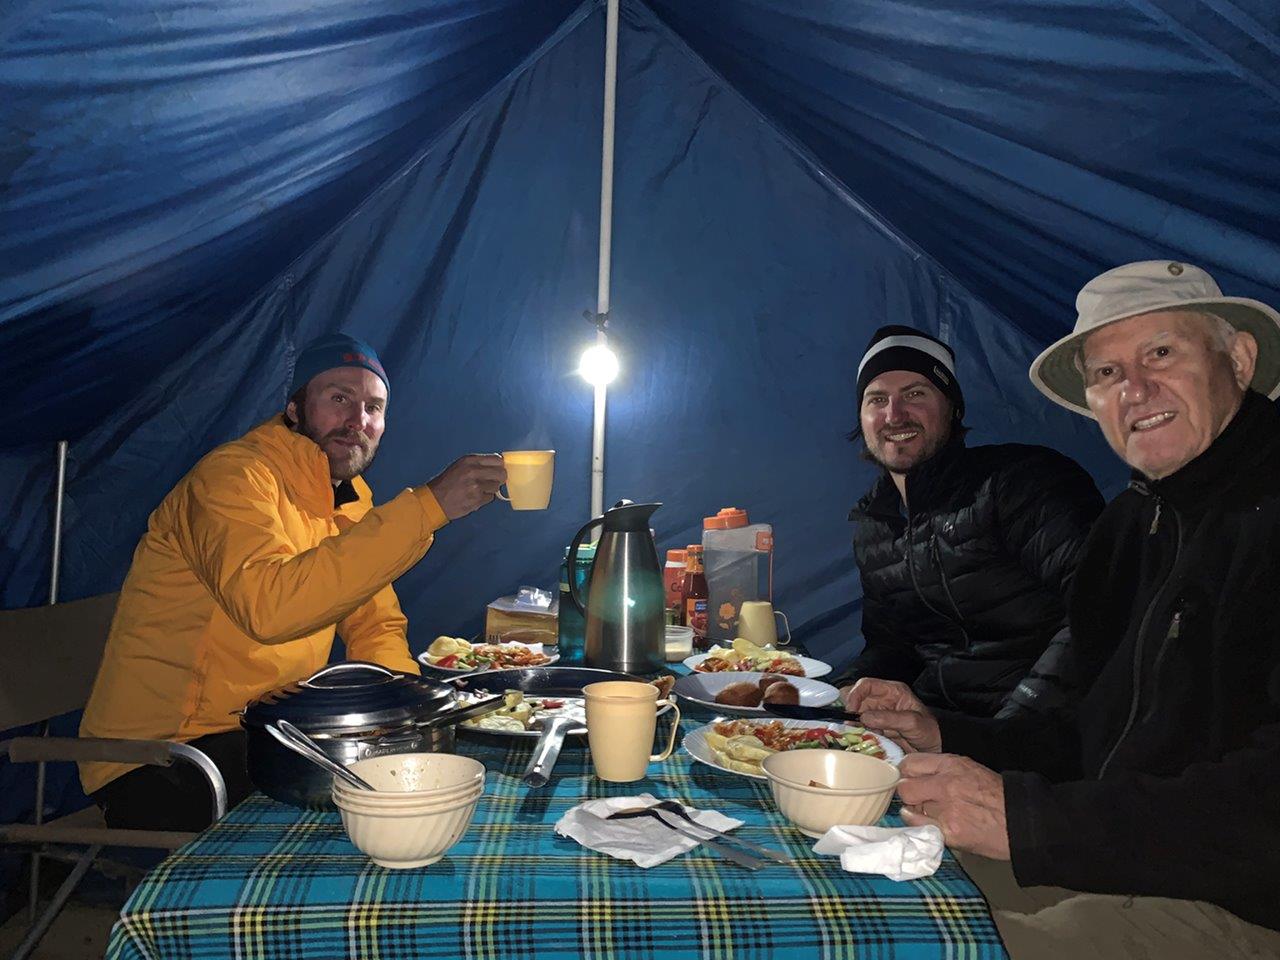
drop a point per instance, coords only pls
(573, 564)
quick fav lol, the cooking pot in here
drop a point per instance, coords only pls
(351, 711)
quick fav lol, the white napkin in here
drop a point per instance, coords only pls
(899, 853)
(642, 840)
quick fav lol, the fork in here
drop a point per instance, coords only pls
(737, 856)
(676, 807)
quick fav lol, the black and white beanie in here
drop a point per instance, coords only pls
(906, 348)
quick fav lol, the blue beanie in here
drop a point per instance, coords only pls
(335, 350)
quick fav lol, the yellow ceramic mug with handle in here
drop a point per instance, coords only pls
(622, 717)
(529, 475)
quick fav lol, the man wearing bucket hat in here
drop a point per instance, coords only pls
(248, 567)
(1148, 824)
(965, 553)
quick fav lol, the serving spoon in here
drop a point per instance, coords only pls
(297, 741)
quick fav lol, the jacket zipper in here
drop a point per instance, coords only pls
(946, 588)
(911, 570)
(1175, 625)
(1174, 631)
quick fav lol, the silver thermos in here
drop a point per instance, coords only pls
(624, 624)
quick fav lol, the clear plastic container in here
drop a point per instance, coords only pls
(739, 566)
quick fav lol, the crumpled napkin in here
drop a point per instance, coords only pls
(643, 840)
(899, 853)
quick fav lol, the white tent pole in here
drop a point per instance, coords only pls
(55, 562)
(606, 244)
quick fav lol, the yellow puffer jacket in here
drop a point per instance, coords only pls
(236, 588)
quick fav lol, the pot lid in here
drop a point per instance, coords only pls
(351, 696)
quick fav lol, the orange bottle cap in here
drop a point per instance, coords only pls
(727, 519)
(676, 556)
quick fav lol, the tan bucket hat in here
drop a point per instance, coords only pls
(1147, 287)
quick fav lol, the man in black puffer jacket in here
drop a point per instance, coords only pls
(965, 553)
(1146, 823)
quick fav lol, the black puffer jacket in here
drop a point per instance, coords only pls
(965, 600)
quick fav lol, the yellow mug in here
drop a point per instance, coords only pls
(622, 717)
(529, 475)
(756, 623)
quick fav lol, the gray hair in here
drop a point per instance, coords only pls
(1219, 337)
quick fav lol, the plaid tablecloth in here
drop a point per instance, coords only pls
(273, 881)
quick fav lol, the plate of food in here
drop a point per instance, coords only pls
(738, 746)
(534, 696)
(455, 655)
(743, 693)
(745, 657)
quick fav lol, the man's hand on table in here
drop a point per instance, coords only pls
(468, 483)
(890, 708)
(958, 795)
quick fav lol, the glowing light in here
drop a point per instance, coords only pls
(599, 365)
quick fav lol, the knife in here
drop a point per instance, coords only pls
(793, 711)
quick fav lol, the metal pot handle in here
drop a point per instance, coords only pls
(348, 666)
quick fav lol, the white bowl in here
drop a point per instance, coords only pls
(856, 789)
(392, 798)
(418, 774)
(402, 839)
(362, 800)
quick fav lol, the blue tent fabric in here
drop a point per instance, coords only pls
(163, 160)
(187, 194)
(1029, 145)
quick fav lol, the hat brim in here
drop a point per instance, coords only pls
(1055, 375)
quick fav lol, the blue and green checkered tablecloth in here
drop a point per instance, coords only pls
(273, 881)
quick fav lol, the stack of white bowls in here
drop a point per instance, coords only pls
(422, 805)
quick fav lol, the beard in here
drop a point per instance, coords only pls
(346, 460)
(931, 445)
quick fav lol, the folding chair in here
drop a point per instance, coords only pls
(50, 656)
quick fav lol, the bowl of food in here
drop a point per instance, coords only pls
(819, 789)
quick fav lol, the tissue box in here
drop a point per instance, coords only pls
(506, 620)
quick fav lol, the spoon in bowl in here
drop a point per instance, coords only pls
(297, 741)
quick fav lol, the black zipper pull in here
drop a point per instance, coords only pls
(1155, 521)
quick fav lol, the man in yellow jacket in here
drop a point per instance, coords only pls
(247, 567)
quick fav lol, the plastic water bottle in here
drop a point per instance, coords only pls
(571, 627)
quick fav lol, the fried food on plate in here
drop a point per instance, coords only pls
(741, 694)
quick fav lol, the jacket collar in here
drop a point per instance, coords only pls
(1237, 452)
(927, 483)
(305, 468)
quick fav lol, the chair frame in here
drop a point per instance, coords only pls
(42, 750)
(59, 647)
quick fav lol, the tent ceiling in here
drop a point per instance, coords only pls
(164, 161)
(1028, 145)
